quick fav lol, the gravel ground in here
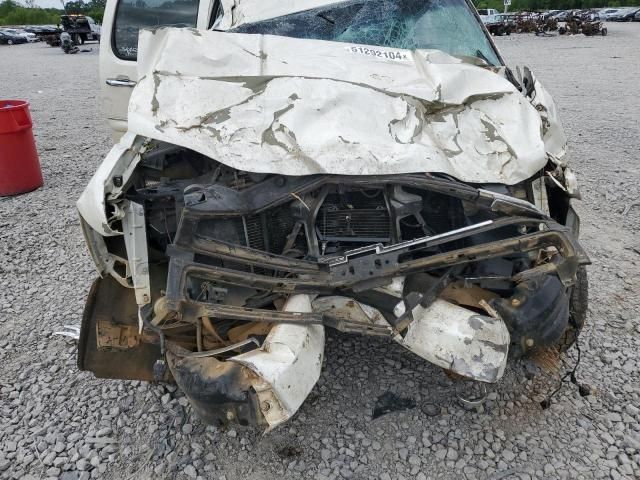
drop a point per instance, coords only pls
(57, 422)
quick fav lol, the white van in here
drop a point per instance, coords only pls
(119, 46)
(370, 166)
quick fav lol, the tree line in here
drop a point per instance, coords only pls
(14, 13)
(536, 5)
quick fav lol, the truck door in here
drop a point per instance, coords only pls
(119, 45)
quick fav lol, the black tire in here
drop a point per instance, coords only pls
(9, 42)
(604, 32)
(578, 306)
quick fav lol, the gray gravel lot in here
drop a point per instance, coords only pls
(58, 422)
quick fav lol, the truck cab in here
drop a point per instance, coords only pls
(81, 28)
(494, 21)
(488, 15)
(119, 46)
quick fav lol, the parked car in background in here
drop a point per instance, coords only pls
(30, 37)
(636, 17)
(493, 21)
(591, 14)
(509, 22)
(561, 15)
(488, 15)
(626, 15)
(8, 38)
(607, 13)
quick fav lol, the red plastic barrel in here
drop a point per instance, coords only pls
(19, 165)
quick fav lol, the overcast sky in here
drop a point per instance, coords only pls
(47, 3)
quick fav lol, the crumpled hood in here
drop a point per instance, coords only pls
(275, 104)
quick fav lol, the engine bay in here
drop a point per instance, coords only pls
(217, 257)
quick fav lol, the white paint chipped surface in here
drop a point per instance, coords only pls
(447, 335)
(288, 364)
(458, 339)
(274, 104)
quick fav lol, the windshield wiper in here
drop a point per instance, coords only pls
(324, 17)
(482, 56)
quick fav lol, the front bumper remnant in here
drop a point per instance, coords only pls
(262, 386)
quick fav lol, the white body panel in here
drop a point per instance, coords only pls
(115, 98)
(95, 28)
(288, 364)
(274, 104)
(458, 339)
(447, 335)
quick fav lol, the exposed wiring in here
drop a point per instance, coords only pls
(570, 376)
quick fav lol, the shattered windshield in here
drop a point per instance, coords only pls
(447, 25)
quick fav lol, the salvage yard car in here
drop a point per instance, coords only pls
(494, 22)
(10, 38)
(30, 37)
(370, 166)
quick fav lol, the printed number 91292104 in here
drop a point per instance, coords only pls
(372, 52)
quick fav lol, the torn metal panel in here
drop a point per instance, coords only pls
(287, 366)
(348, 308)
(571, 183)
(555, 140)
(461, 340)
(540, 198)
(219, 391)
(447, 335)
(264, 103)
(109, 345)
(107, 183)
(135, 239)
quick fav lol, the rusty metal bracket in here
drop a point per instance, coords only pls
(231, 312)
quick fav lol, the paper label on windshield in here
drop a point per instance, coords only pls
(374, 52)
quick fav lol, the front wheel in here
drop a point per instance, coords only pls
(603, 32)
(9, 42)
(578, 306)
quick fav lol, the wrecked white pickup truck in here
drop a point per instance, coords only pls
(370, 166)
